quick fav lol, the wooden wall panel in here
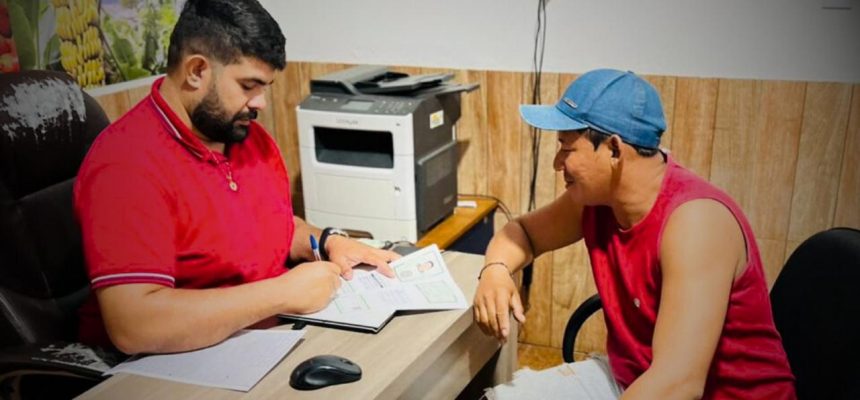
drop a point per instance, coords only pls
(666, 87)
(135, 95)
(537, 299)
(545, 183)
(472, 138)
(572, 283)
(504, 91)
(114, 104)
(288, 90)
(754, 154)
(822, 139)
(693, 136)
(320, 69)
(538, 328)
(848, 203)
(266, 116)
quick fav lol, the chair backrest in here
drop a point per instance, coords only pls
(47, 124)
(816, 308)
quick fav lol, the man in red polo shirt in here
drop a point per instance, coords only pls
(184, 202)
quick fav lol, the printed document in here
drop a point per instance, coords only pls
(370, 299)
(237, 363)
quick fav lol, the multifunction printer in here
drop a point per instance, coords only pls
(378, 151)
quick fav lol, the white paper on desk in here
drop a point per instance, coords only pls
(237, 363)
(422, 282)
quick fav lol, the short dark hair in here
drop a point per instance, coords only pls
(226, 30)
(596, 138)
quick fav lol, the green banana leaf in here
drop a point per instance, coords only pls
(23, 32)
(51, 53)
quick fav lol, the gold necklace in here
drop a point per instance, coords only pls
(227, 174)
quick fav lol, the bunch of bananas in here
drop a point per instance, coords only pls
(80, 40)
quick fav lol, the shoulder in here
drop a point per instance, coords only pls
(703, 214)
(136, 147)
(703, 230)
(129, 135)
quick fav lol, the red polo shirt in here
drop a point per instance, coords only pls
(156, 206)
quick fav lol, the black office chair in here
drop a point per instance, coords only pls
(816, 309)
(47, 123)
(588, 307)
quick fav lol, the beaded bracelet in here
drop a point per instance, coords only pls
(495, 263)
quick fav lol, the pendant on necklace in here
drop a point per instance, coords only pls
(233, 186)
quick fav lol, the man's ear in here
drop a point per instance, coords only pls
(614, 144)
(197, 69)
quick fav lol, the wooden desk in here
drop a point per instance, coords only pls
(453, 227)
(430, 355)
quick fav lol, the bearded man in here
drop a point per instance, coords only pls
(184, 202)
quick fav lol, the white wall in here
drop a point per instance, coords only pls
(758, 39)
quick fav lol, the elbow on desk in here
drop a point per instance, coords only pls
(140, 339)
(126, 344)
(131, 343)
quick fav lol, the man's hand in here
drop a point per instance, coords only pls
(311, 286)
(495, 297)
(348, 253)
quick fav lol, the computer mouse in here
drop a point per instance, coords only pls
(324, 370)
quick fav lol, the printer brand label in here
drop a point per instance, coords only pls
(437, 119)
(346, 121)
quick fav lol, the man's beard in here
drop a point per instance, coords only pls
(211, 120)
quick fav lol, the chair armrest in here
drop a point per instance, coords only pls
(58, 361)
(577, 319)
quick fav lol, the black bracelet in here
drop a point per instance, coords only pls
(495, 263)
(324, 238)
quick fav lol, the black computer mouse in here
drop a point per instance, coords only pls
(324, 370)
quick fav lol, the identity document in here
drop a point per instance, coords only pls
(370, 299)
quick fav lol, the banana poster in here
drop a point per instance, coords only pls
(98, 42)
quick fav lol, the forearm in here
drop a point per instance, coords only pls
(159, 319)
(671, 385)
(300, 249)
(510, 246)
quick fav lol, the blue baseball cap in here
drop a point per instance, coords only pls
(608, 101)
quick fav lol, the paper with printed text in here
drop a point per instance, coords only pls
(367, 301)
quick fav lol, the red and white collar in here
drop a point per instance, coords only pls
(181, 132)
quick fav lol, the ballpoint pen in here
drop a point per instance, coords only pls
(315, 248)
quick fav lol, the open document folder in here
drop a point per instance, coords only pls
(370, 299)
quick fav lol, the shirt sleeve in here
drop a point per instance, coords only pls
(127, 226)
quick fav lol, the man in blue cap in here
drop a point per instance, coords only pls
(674, 258)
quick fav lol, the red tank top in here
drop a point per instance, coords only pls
(749, 361)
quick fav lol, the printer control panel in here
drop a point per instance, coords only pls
(362, 105)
